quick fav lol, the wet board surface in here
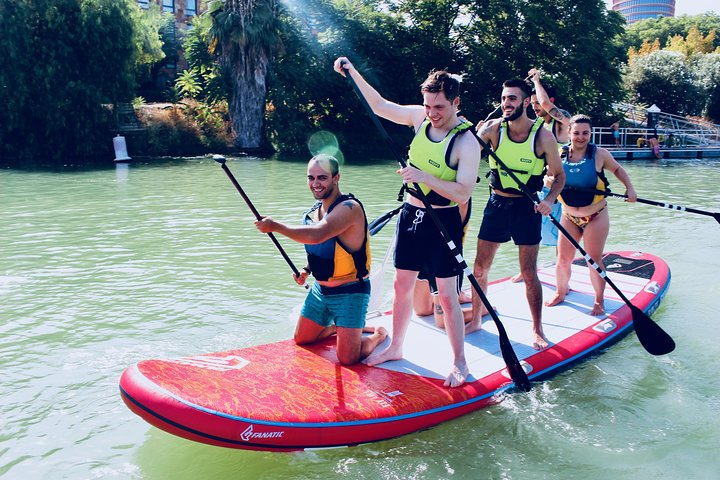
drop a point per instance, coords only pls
(311, 401)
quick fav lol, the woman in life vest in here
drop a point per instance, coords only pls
(584, 207)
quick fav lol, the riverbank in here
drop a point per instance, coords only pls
(665, 153)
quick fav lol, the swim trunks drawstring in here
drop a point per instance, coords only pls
(419, 214)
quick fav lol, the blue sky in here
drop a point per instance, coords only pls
(690, 7)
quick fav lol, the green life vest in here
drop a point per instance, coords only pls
(521, 159)
(434, 158)
(551, 127)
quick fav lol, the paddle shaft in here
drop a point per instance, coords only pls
(259, 217)
(670, 206)
(516, 371)
(663, 343)
(498, 108)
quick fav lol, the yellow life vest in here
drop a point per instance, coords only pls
(521, 159)
(434, 158)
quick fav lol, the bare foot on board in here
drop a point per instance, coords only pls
(557, 299)
(390, 353)
(457, 377)
(540, 342)
(473, 326)
(465, 297)
(598, 310)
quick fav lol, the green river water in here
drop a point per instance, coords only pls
(101, 268)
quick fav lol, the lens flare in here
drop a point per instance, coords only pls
(325, 142)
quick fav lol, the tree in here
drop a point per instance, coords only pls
(65, 59)
(663, 28)
(395, 43)
(695, 43)
(574, 42)
(706, 70)
(664, 78)
(245, 38)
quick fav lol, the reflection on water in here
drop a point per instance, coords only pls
(122, 171)
(99, 271)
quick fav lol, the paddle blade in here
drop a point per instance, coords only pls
(376, 225)
(517, 373)
(653, 338)
(717, 217)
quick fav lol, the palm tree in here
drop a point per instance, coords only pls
(244, 36)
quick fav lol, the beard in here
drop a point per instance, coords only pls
(517, 113)
(324, 194)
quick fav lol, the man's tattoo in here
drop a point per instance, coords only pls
(558, 114)
(349, 203)
(485, 129)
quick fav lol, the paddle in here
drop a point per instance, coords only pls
(516, 371)
(655, 340)
(608, 193)
(497, 109)
(221, 160)
(376, 225)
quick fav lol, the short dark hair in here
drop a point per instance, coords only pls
(580, 118)
(441, 81)
(519, 83)
(328, 162)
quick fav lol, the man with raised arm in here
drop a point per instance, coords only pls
(336, 238)
(554, 119)
(444, 160)
(530, 152)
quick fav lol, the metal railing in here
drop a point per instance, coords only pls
(678, 130)
(635, 137)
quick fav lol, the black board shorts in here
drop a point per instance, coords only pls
(421, 247)
(507, 218)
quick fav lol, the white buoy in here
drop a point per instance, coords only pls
(120, 149)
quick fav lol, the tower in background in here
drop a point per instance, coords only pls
(636, 10)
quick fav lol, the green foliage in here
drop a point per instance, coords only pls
(681, 78)
(663, 28)
(191, 129)
(707, 78)
(663, 77)
(148, 44)
(205, 72)
(65, 59)
(575, 42)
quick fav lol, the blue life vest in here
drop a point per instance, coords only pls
(331, 260)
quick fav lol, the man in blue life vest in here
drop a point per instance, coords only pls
(444, 160)
(530, 151)
(542, 100)
(336, 238)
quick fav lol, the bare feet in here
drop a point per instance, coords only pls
(540, 342)
(598, 309)
(391, 353)
(516, 278)
(381, 332)
(558, 298)
(458, 376)
(465, 297)
(473, 325)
